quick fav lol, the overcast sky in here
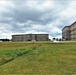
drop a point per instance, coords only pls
(36, 16)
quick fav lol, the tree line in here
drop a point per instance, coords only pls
(5, 40)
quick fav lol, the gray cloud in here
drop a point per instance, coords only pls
(36, 16)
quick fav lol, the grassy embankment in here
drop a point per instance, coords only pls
(38, 58)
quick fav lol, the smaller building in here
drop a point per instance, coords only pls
(30, 37)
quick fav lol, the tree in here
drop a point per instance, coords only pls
(54, 38)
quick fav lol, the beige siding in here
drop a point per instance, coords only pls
(70, 32)
(27, 37)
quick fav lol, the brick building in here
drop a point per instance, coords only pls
(30, 37)
(69, 32)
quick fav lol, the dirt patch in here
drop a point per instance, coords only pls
(69, 56)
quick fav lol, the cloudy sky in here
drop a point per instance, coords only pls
(35, 16)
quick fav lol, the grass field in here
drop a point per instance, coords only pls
(38, 58)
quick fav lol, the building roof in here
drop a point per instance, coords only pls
(73, 23)
(70, 25)
(65, 27)
(28, 34)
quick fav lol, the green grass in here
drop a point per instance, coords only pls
(38, 58)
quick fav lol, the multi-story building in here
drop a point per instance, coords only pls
(69, 32)
(30, 37)
(66, 33)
